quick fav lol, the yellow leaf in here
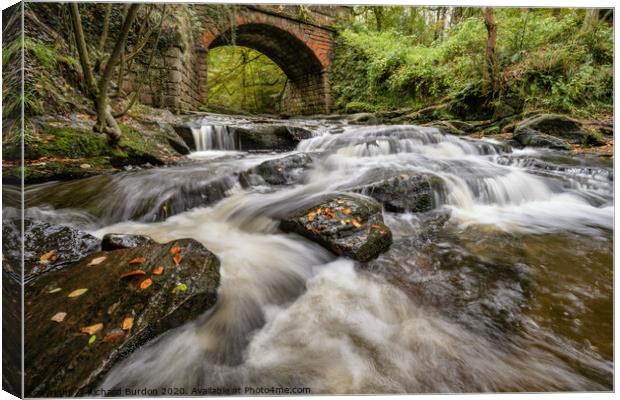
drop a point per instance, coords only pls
(59, 317)
(92, 339)
(96, 261)
(346, 211)
(158, 271)
(77, 292)
(92, 329)
(55, 290)
(127, 323)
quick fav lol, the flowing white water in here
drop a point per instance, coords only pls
(214, 137)
(290, 314)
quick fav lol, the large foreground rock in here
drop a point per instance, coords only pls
(347, 225)
(62, 359)
(47, 247)
(554, 131)
(404, 193)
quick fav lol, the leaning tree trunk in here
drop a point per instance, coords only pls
(105, 120)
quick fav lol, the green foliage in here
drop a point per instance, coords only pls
(243, 79)
(546, 60)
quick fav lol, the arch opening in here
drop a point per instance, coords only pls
(240, 78)
(305, 88)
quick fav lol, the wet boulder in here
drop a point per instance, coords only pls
(47, 247)
(115, 241)
(529, 137)
(363, 119)
(285, 170)
(347, 225)
(81, 320)
(555, 131)
(269, 137)
(404, 193)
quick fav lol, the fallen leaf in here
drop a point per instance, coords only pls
(84, 166)
(48, 257)
(96, 261)
(175, 250)
(55, 290)
(59, 317)
(92, 340)
(158, 271)
(346, 211)
(177, 259)
(146, 283)
(138, 260)
(356, 223)
(180, 288)
(127, 323)
(130, 274)
(114, 335)
(77, 292)
(311, 216)
(92, 329)
(309, 227)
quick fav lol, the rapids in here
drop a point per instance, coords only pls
(514, 293)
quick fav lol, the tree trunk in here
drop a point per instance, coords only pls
(106, 27)
(105, 120)
(489, 22)
(80, 43)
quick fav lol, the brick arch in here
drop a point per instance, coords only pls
(301, 50)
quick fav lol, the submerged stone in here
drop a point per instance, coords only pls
(347, 225)
(284, 170)
(403, 193)
(69, 354)
(115, 241)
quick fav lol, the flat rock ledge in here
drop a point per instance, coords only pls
(81, 320)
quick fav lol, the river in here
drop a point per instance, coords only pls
(513, 293)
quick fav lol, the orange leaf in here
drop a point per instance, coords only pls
(92, 329)
(127, 323)
(177, 259)
(158, 271)
(137, 272)
(114, 335)
(48, 257)
(175, 250)
(146, 283)
(356, 223)
(138, 260)
(96, 261)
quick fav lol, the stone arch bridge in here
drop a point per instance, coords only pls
(300, 46)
